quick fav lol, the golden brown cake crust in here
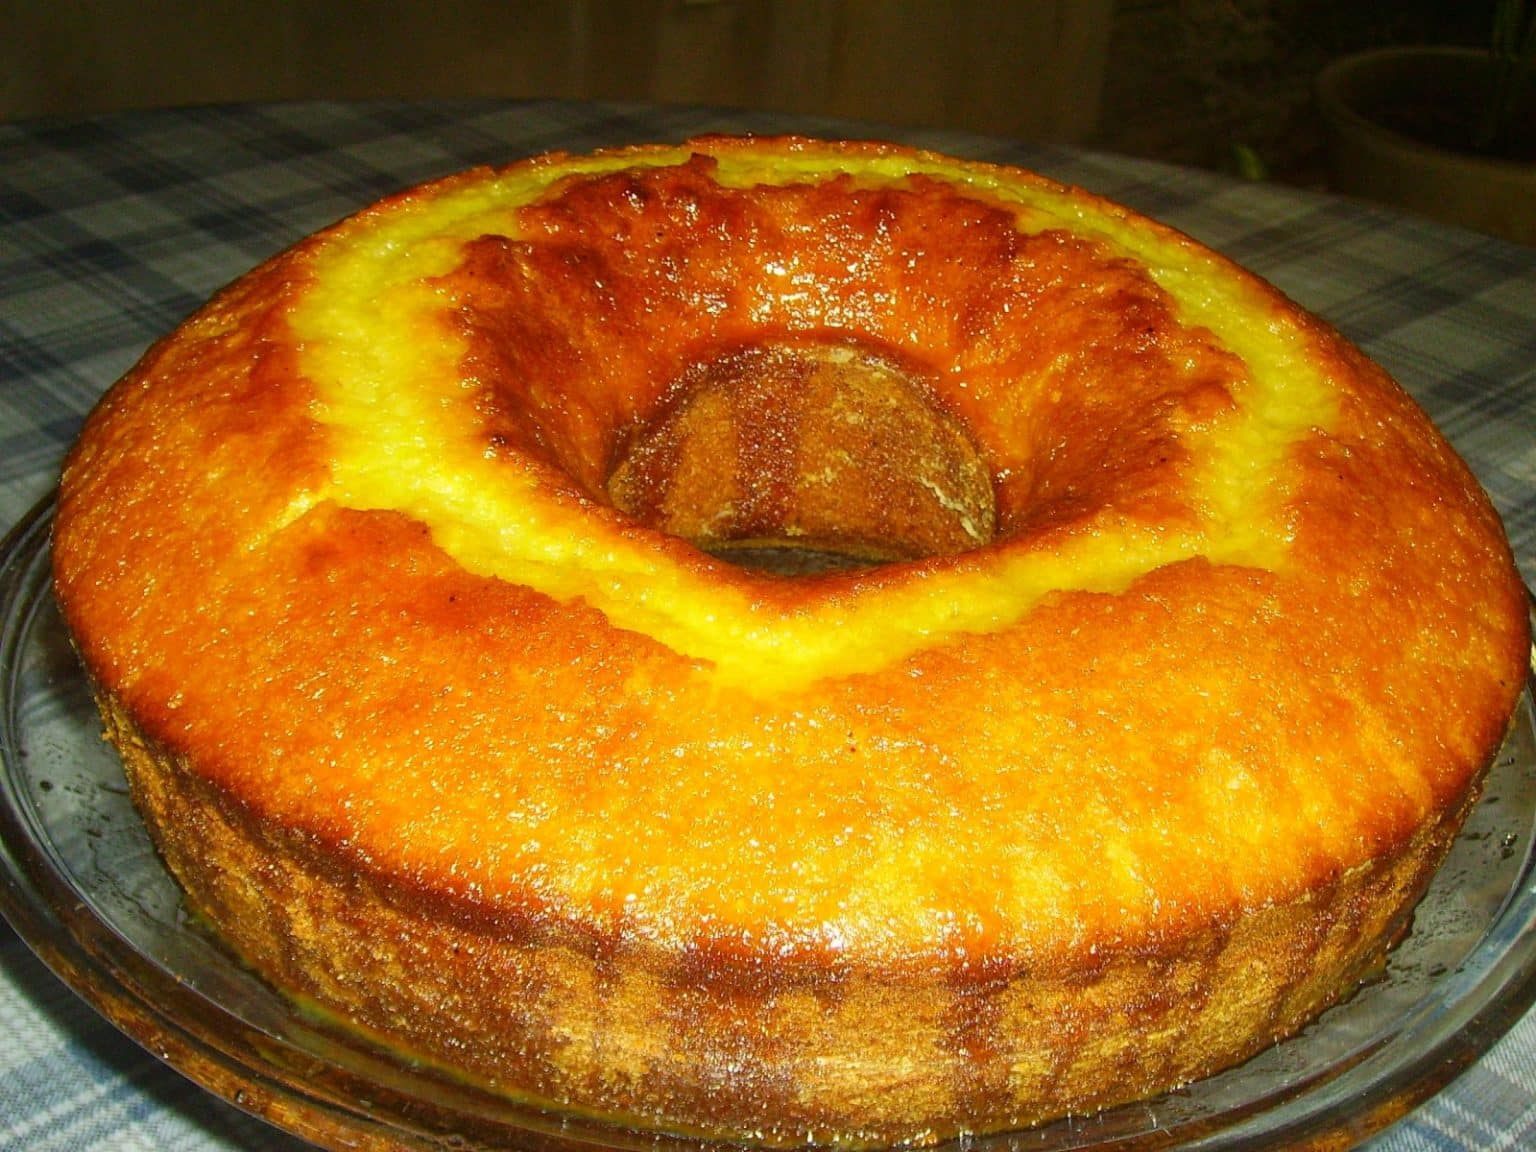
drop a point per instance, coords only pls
(586, 829)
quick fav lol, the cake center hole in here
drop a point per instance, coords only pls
(805, 456)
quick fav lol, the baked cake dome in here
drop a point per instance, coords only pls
(788, 641)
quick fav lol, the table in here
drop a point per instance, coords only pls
(113, 229)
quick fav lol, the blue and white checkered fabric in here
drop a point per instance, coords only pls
(112, 230)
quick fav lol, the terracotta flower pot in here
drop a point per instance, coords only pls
(1400, 124)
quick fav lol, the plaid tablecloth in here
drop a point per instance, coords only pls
(112, 230)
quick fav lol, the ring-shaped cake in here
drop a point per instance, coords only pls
(787, 640)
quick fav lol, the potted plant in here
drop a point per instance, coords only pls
(1448, 132)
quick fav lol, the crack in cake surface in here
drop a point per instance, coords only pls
(1205, 477)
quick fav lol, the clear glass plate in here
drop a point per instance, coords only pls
(80, 881)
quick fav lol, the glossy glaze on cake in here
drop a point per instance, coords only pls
(1168, 647)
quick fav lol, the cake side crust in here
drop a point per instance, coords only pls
(627, 1035)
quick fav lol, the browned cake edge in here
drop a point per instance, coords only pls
(554, 1016)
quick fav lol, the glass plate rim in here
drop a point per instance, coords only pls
(253, 1069)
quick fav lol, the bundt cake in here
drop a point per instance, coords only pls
(787, 640)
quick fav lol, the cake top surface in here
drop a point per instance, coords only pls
(1191, 610)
